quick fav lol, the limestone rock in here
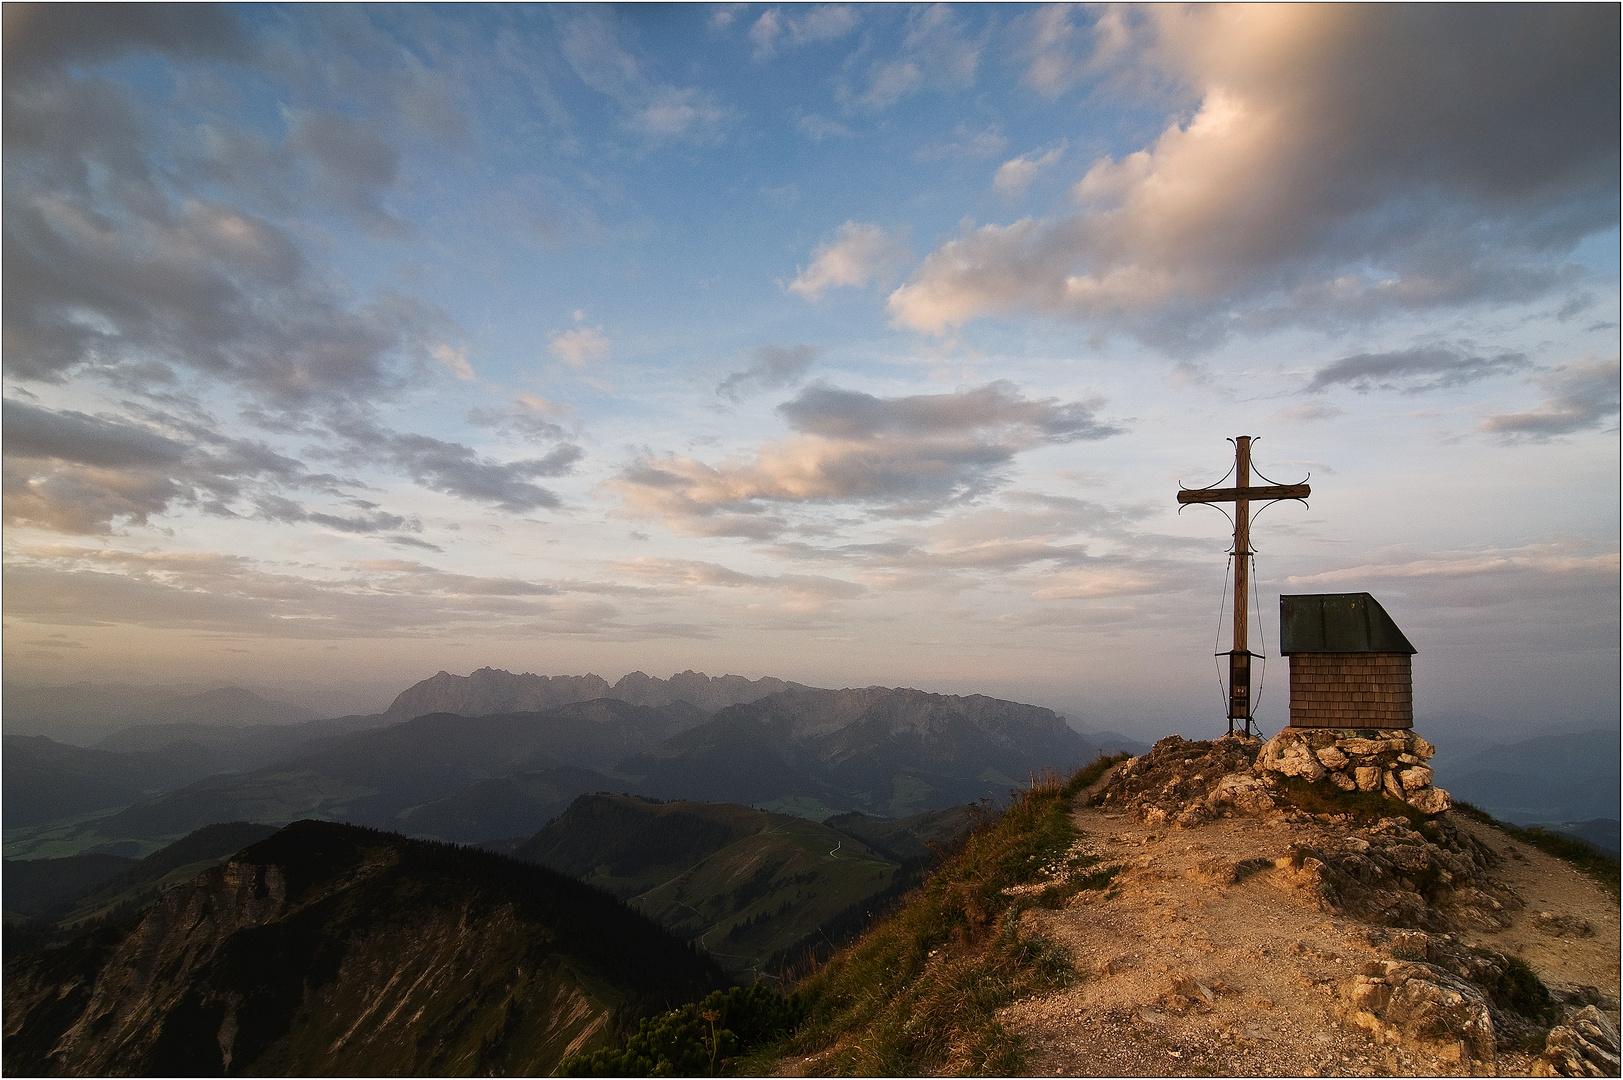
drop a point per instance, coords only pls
(1421, 1003)
(1368, 778)
(1331, 758)
(1290, 756)
(1415, 778)
(1429, 800)
(1587, 1045)
(1246, 794)
(1547, 922)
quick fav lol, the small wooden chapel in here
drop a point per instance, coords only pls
(1350, 664)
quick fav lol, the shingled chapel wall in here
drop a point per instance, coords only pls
(1347, 690)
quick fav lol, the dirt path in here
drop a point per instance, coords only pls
(1548, 885)
(1189, 972)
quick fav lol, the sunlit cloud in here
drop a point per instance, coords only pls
(858, 255)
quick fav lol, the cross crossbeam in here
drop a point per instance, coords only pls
(1242, 495)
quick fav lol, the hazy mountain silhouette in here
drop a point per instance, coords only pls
(891, 752)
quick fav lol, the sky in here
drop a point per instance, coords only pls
(845, 344)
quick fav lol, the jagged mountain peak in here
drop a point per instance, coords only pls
(489, 690)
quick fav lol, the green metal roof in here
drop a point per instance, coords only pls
(1338, 623)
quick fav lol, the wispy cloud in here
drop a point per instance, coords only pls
(1414, 370)
(776, 30)
(904, 456)
(655, 109)
(1579, 396)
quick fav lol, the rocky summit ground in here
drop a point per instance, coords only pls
(1244, 935)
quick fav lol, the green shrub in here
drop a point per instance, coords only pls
(703, 1038)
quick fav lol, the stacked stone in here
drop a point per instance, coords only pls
(1358, 759)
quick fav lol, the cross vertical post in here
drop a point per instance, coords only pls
(1241, 495)
(1240, 657)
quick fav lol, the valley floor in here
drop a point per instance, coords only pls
(1188, 973)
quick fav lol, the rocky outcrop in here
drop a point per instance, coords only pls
(1384, 868)
(1390, 762)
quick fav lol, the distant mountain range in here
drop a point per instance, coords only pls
(328, 949)
(490, 690)
(476, 778)
(1546, 780)
(85, 712)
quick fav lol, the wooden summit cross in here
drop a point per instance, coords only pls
(1242, 494)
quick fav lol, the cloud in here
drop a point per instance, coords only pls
(967, 144)
(1572, 576)
(936, 52)
(41, 38)
(75, 473)
(1015, 175)
(1414, 370)
(654, 109)
(1341, 163)
(580, 346)
(775, 367)
(1309, 412)
(899, 457)
(530, 415)
(453, 360)
(353, 166)
(200, 591)
(141, 270)
(800, 592)
(460, 471)
(823, 22)
(817, 128)
(1577, 397)
(857, 255)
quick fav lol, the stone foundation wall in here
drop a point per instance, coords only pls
(1358, 759)
(1352, 690)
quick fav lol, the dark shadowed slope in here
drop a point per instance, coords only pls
(333, 950)
(373, 777)
(34, 885)
(47, 780)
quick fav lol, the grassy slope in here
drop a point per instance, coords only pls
(744, 883)
(917, 995)
(763, 893)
